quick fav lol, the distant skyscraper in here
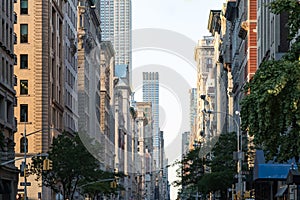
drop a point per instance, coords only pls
(116, 27)
(193, 107)
(151, 94)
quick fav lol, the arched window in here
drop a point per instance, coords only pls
(22, 145)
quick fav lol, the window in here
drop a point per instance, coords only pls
(24, 61)
(24, 7)
(24, 113)
(24, 33)
(23, 86)
(22, 145)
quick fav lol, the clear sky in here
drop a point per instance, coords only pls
(165, 33)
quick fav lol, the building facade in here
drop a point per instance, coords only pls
(107, 71)
(70, 63)
(116, 24)
(89, 37)
(146, 108)
(151, 94)
(203, 55)
(40, 92)
(8, 170)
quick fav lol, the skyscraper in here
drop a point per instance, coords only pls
(116, 27)
(151, 94)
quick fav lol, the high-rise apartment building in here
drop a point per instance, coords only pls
(8, 171)
(151, 94)
(40, 70)
(116, 25)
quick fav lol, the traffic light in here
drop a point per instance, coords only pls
(47, 164)
(26, 172)
(50, 164)
(113, 184)
(22, 168)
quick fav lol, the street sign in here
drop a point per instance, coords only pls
(27, 184)
(21, 190)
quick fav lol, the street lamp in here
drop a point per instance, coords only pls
(239, 147)
(25, 135)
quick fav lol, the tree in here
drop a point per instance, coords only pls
(222, 166)
(270, 112)
(73, 166)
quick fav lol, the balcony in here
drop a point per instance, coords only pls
(15, 18)
(15, 38)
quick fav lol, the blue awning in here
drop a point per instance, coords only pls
(272, 171)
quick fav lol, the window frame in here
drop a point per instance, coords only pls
(23, 10)
(24, 36)
(22, 117)
(23, 85)
(22, 61)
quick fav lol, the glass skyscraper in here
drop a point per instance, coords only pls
(116, 26)
(151, 94)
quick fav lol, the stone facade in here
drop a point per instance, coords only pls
(40, 72)
(8, 170)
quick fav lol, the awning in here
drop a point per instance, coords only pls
(281, 191)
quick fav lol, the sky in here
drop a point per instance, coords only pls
(165, 33)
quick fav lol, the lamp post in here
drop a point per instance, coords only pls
(25, 135)
(239, 148)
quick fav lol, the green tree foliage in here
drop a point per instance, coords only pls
(293, 9)
(73, 166)
(221, 164)
(270, 112)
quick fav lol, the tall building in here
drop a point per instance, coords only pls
(146, 108)
(89, 37)
(41, 85)
(116, 25)
(203, 55)
(124, 134)
(70, 64)
(8, 171)
(151, 94)
(223, 79)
